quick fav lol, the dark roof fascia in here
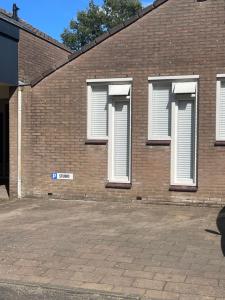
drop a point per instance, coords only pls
(141, 13)
(29, 28)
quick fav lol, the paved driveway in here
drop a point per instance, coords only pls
(156, 252)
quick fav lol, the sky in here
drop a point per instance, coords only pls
(50, 16)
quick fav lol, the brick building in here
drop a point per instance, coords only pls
(138, 114)
(25, 54)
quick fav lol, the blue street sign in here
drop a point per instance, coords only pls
(54, 176)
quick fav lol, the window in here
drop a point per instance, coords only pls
(119, 140)
(109, 118)
(172, 116)
(97, 112)
(220, 110)
(183, 141)
(159, 110)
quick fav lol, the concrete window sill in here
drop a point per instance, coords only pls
(158, 143)
(219, 143)
(183, 188)
(115, 185)
(96, 142)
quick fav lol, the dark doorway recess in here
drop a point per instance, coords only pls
(4, 146)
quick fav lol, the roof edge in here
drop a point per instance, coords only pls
(7, 17)
(141, 13)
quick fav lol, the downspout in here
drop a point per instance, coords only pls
(19, 140)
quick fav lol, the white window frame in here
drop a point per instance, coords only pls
(220, 78)
(150, 135)
(111, 177)
(89, 99)
(107, 82)
(174, 109)
(170, 79)
(94, 82)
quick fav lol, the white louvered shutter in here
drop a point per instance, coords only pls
(99, 112)
(221, 121)
(185, 146)
(121, 140)
(160, 111)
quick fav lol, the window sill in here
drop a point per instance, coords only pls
(158, 142)
(219, 143)
(183, 188)
(117, 185)
(96, 142)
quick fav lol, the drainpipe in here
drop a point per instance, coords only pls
(19, 133)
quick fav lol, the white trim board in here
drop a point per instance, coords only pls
(220, 76)
(181, 77)
(106, 80)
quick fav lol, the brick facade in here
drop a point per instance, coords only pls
(36, 55)
(180, 37)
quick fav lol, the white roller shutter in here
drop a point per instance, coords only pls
(119, 90)
(184, 87)
(99, 112)
(185, 141)
(221, 112)
(160, 111)
(121, 140)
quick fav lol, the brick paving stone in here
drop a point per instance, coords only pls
(100, 263)
(28, 263)
(222, 283)
(170, 277)
(165, 270)
(161, 295)
(119, 259)
(87, 277)
(149, 284)
(66, 283)
(205, 268)
(195, 289)
(129, 290)
(59, 274)
(178, 265)
(93, 256)
(201, 281)
(218, 262)
(165, 258)
(138, 274)
(212, 275)
(132, 266)
(117, 280)
(195, 297)
(147, 262)
(40, 279)
(96, 286)
(109, 271)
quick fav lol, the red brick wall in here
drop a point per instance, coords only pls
(37, 55)
(181, 37)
